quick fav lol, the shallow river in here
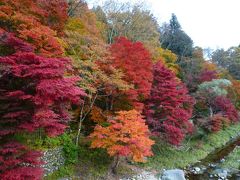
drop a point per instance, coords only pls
(208, 168)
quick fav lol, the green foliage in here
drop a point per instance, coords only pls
(132, 21)
(97, 155)
(52, 142)
(215, 87)
(34, 140)
(64, 171)
(70, 149)
(96, 161)
(199, 134)
(229, 59)
(175, 39)
(42, 143)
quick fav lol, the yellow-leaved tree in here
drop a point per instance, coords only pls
(167, 57)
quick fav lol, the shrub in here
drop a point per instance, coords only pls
(224, 105)
(218, 122)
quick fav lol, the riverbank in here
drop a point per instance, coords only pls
(233, 160)
(191, 151)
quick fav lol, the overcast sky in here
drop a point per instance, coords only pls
(210, 23)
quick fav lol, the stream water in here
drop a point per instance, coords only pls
(208, 168)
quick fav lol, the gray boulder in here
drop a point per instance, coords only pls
(173, 174)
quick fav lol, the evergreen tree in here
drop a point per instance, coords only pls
(175, 39)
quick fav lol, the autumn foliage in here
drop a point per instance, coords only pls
(234, 94)
(169, 106)
(127, 135)
(218, 122)
(224, 105)
(207, 75)
(207, 72)
(35, 21)
(12, 157)
(34, 93)
(135, 61)
(57, 71)
(37, 82)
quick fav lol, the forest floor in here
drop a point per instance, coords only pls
(95, 164)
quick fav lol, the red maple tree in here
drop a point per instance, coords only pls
(207, 75)
(169, 106)
(135, 61)
(34, 93)
(224, 105)
(13, 156)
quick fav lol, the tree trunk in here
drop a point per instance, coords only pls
(211, 111)
(115, 164)
(79, 132)
(83, 116)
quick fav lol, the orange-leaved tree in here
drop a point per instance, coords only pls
(127, 135)
(35, 21)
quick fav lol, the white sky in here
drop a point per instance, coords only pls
(210, 23)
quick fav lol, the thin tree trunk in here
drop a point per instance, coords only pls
(211, 111)
(80, 124)
(83, 117)
(115, 164)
